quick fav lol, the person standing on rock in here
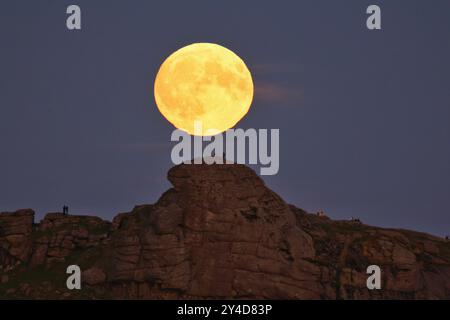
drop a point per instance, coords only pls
(65, 210)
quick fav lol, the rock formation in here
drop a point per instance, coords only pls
(218, 233)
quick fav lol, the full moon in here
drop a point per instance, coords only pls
(203, 89)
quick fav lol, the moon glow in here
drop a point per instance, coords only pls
(206, 84)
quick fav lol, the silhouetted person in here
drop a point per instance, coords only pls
(65, 210)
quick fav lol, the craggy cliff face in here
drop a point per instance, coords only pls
(218, 233)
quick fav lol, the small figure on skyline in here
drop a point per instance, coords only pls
(357, 220)
(65, 209)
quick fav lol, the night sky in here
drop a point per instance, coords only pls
(364, 116)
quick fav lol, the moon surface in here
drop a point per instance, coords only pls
(203, 89)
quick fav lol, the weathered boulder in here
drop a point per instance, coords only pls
(15, 236)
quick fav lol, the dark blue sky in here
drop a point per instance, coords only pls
(364, 116)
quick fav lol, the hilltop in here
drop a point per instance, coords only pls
(219, 232)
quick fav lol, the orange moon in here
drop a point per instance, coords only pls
(203, 89)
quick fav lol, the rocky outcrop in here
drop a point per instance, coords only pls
(218, 233)
(59, 235)
(15, 237)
